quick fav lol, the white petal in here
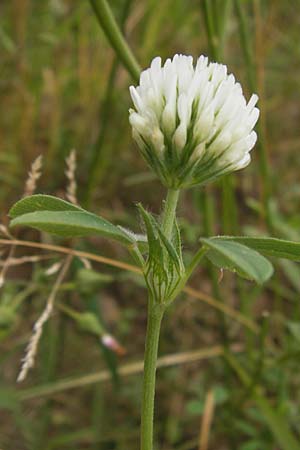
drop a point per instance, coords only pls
(253, 118)
(252, 102)
(184, 108)
(203, 126)
(251, 140)
(221, 142)
(139, 123)
(169, 118)
(198, 152)
(243, 162)
(145, 80)
(202, 63)
(180, 136)
(157, 139)
(138, 103)
(156, 64)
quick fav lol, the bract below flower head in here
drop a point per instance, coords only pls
(192, 122)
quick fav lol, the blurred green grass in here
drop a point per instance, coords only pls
(62, 87)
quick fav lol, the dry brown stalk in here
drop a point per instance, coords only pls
(30, 186)
(54, 268)
(70, 174)
(33, 176)
(87, 264)
(27, 259)
(70, 251)
(31, 351)
(208, 413)
(5, 232)
(6, 264)
(126, 370)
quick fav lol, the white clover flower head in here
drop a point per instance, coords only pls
(192, 122)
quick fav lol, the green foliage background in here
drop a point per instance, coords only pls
(63, 87)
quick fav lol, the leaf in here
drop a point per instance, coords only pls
(40, 202)
(177, 240)
(150, 226)
(279, 248)
(140, 239)
(238, 258)
(170, 249)
(89, 322)
(71, 224)
(157, 240)
(57, 216)
(155, 249)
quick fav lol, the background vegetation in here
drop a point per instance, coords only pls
(233, 365)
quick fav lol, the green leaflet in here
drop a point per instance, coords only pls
(279, 248)
(157, 241)
(164, 267)
(56, 216)
(41, 202)
(238, 258)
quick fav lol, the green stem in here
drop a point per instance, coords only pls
(155, 315)
(112, 31)
(170, 212)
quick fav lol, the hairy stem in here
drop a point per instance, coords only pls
(156, 310)
(170, 212)
(155, 315)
